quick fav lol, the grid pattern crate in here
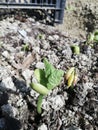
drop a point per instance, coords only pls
(56, 6)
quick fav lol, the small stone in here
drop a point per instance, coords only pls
(20, 103)
(9, 110)
(56, 37)
(88, 85)
(40, 65)
(6, 54)
(1, 42)
(50, 38)
(75, 109)
(67, 52)
(31, 20)
(1, 33)
(27, 74)
(65, 95)
(7, 83)
(23, 33)
(43, 127)
(34, 94)
(57, 102)
(46, 105)
(37, 49)
(46, 44)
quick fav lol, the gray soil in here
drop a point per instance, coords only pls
(62, 109)
(81, 17)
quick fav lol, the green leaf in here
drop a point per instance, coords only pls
(39, 88)
(53, 75)
(40, 76)
(55, 79)
(49, 68)
(39, 104)
(96, 38)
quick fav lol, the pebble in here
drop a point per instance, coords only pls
(50, 38)
(7, 83)
(67, 52)
(46, 105)
(34, 94)
(36, 49)
(20, 103)
(9, 110)
(57, 102)
(43, 127)
(40, 65)
(56, 37)
(6, 54)
(23, 33)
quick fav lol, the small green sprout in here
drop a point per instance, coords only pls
(69, 7)
(71, 77)
(40, 36)
(69, 72)
(25, 47)
(48, 79)
(39, 104)
(76, 49)
(92, 38)
(96, 36)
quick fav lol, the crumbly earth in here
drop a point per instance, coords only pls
(81, 17)
(24, 42)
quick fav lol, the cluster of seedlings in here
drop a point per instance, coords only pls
(50, 77)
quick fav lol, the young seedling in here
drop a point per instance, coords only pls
(76, 49)
(25, 47)
(75, 79)
(39, 104)
(96, 36)
(40, 88)
(48, 79)
(92, 37)
(69, 72)
(71, 77)
(41, 36)
(69, 7)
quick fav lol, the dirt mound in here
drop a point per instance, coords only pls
(24, 43)
(63, 108)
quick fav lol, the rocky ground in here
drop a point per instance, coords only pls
(63, 108)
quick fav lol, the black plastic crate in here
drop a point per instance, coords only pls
(55, 6)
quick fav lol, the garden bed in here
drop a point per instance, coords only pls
(24, 43)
